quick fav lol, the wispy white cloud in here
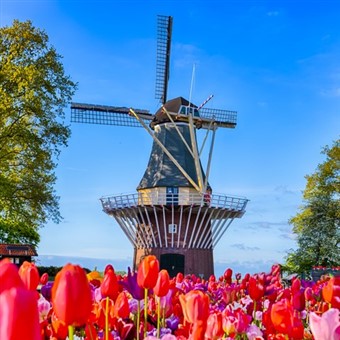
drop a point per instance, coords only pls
(241, 246)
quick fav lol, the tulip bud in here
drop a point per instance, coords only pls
(163, 283)
(71, 295)
(29, 275)
(147, 274)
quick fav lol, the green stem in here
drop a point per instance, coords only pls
(145, 311)
(138, 319)
(107, 319)
(254, 316)
(158, 315)
(163, 317)
(70, 332)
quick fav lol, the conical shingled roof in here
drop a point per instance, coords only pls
(161, 171)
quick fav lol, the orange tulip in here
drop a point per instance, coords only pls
(109, 286)
(331, 292)
(162, 284)
(19, 318)
(214, 329)
(9, 276)
(147, 274)
(195, 306)
(121, 308)
(71, 295)
(29, 275)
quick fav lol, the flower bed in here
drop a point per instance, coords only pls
(150, 305)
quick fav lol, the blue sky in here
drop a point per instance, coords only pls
(275, 62)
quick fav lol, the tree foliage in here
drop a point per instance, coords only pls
(34, 91)
(317, 223)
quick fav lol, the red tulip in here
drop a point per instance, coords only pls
(227, 275)
(163, 283)
(179, 278)
(296, 285)
(331, 292)
(109, 286)
(121, 308)
(19, 318)
(44, 278)
(9, 276)
(71, 295)
(29, 275)
(298, 300)
(108, 267)
(255, 289)
(282, 316)
(147, 274)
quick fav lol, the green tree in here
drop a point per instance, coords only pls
(317, 223)
(34, 91)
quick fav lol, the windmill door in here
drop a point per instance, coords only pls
(173, 263)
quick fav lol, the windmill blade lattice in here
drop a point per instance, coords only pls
(107, 115)
(164, 30)
(221, 118)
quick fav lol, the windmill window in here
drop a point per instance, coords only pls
(172, 195)
(172, 228)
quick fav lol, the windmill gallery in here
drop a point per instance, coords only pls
(174, 214)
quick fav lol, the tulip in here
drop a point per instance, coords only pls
(44, 278)
(71, 295)
(108, 267)
(326, 327)
(44, 308)
(298, 300)
(9, 276)
(214, 329)
(296, 285)
(161, 289)
(282, 316)
(256, 289)
(227, 275)
(19, 317)
(121, 308)
(29, 275)
(195, 306)
(163, 284)
(109, 286)
(331, 292)
(147, 274)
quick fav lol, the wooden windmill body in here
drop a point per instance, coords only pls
(174, 214)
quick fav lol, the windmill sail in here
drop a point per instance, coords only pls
(107, 115)
(164, 31)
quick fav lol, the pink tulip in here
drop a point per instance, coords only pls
(327, 326)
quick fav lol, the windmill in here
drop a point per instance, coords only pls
(174, 214)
